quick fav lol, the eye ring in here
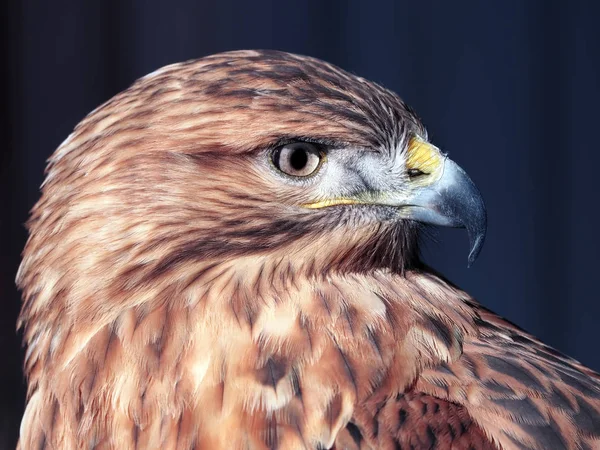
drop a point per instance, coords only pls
(298, 159)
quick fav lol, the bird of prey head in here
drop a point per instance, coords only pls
(225, 256)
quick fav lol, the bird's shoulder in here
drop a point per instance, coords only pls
(523, 393)
(498, 387)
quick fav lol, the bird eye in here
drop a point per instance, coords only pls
(299, 159)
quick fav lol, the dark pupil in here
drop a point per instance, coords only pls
(298, 159)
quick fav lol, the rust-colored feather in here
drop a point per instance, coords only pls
(522, 392)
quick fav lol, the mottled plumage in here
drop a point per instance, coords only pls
(181, 293)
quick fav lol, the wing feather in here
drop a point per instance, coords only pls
(521, 392)
(414, 420)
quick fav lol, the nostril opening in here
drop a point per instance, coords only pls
(413, 173)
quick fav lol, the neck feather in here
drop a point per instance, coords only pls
(226, 351)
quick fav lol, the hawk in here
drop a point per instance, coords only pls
(225, 256)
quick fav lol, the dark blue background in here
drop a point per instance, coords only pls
(509, 88)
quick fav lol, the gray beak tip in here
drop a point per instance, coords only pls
(476, 247)
(476, 228)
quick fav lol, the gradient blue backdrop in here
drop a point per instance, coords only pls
(509, 88)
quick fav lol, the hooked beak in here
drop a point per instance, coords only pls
(452, 200)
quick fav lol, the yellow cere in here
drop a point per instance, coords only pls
(423, 156)
(331, 202)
